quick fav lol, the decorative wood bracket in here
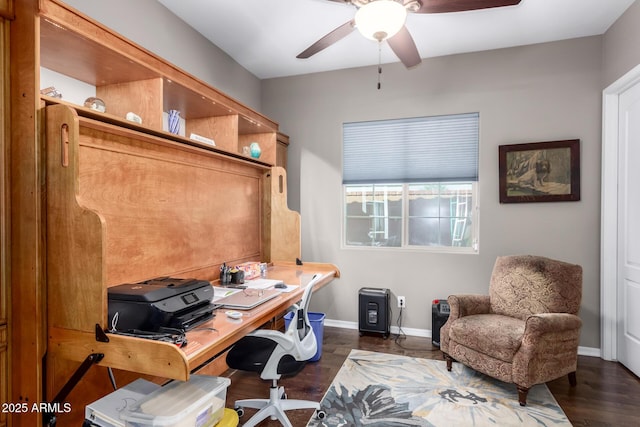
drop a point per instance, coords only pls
(101, 336)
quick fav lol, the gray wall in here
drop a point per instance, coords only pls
(154, 27)
(535, 93)
(620, 44)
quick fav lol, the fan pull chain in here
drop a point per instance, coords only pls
(379, 62)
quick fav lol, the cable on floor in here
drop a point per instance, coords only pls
(402, 336)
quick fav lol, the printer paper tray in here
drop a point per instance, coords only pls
(194, 318)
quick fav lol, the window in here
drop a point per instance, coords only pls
(412, 183)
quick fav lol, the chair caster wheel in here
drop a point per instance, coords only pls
(239, 411)
(320, 414)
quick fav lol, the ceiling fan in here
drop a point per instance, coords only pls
(384, 20)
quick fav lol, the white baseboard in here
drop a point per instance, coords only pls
(340, 324)
(589, 351)
(426, 333)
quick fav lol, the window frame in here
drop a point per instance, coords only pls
(404, 246)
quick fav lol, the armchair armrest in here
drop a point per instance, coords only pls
(538, 324)
(467, 305)
(460, 306)
(549, 348)
(550, 332)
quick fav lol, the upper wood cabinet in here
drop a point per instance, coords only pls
(129, 78)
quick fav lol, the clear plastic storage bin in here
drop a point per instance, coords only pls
(198, 402)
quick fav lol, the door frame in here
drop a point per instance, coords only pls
(609, 214)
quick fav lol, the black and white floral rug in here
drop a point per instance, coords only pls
(384, 390)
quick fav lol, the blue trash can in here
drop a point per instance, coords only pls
(317, 324)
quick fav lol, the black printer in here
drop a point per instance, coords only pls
(164, 302)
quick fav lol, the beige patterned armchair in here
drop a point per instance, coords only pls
(526, 330)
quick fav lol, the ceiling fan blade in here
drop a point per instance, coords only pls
(443, 6)
(405, 48)
(326, 41)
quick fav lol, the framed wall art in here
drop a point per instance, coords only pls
(540, 172)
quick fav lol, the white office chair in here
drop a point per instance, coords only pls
(273, 354)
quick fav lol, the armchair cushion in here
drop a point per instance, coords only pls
(491, 334)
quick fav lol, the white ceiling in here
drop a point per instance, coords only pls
(265, 36)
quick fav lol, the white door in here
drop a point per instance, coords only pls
(629, 229)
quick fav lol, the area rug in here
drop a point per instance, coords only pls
(385, 390)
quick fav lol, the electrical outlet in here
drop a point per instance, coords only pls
(401, 302)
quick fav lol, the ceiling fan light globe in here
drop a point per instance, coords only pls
(380, 19)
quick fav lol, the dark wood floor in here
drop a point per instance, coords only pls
(607, 394)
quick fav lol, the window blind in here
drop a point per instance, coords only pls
(422, 149)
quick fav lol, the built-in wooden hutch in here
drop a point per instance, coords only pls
(108, 201)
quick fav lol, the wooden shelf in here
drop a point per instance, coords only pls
(68, 52)
(129, 78)
(109, 118)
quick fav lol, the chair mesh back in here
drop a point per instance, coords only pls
(300, 320)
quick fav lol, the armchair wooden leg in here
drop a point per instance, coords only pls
(449, 361)
(522, 395)
(572, 379)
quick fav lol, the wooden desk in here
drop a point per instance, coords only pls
(159, 361)
(203, 343)
(165, 360)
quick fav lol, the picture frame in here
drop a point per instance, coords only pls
(539, 172)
